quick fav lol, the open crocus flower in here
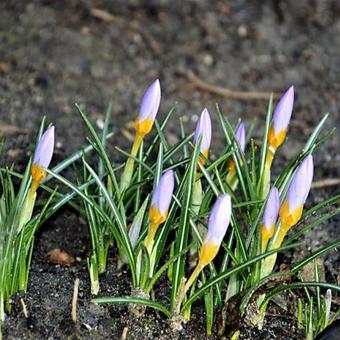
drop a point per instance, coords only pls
(241, 140)
(291, 209)
(269, 218)
(219, 220)
(42, 157)
(160, 204)
(281, 119)
(148, 110)
(203, 128)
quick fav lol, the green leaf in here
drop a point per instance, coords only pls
(129, 299)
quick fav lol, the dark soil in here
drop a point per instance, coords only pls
(55, 53)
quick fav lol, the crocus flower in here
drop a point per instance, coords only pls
(291, 209)
(269, 218)
(148, 109)
(160, 204)
(240, 136)
(43, 155)
(161, 198)
(203, 128)
(218, 223)
(281, 119)
(41, 161)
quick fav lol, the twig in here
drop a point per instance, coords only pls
(74, 300)
(124, 333)
(328, 182)
(122, 23)
(222, 91)
(24, 308)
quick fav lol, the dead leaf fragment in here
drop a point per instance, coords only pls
(59, 256)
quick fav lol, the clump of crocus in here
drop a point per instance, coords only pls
(298, 190)
(218, 223)
(269, 218)
(203, 130)
(41, 161)
(143, 125)
(277, 133)
(291, 208)
(160, 204)
(240, 136)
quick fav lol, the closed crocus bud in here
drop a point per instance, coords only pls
(291, 209)
(148, 110)
(217, 227)
(43, 155)
(203, 128)
(270, 215)
(240, 136)
(161, 198)
(281, 119)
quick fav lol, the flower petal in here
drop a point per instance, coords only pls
(203, 127)
(283, 111)
(150, 102)
(219, 220)
(162, 196)
(44, 151)
(300, 184)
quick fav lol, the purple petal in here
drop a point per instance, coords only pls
(300, 184)
(219, 219)
(44, 151)
(162, 195)
(150, 102)
(241, 136)
(271, 209)
(283, 111)
(203, 127)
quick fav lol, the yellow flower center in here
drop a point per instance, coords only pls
(156, 217)
(143, 127)
(208, 252)
(290, 218)
(275, 140)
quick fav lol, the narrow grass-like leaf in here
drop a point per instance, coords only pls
(184, 225)
(130, 299)
(224, 275)
(314, 255)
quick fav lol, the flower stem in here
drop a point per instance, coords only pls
(128, 170)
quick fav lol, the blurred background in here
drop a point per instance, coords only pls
(56, 53)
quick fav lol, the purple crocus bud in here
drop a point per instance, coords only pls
(271, 209)
(148, 109)
(299, 187)
(281, 119)
(161, 198)
(44, 151)
(42, 157)
(203, 128)
(270, 214)
(218, 223)
(241, 136)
